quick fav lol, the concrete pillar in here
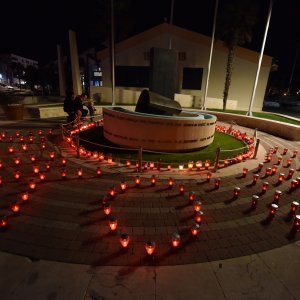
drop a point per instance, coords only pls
(61, 72)
(74, 63)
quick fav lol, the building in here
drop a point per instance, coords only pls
(12, 68)
(132, 60)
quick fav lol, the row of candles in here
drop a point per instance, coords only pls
(151, 245)
(11, 138)
(151, 165)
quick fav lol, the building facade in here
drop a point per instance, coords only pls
(132, 61)
(13, 66)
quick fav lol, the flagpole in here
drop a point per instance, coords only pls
(210, 56)
(112, 49)
(249, 112)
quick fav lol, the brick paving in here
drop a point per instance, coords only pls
(63, 219)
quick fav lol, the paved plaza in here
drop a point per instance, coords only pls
(60, 246)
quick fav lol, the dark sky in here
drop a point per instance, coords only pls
(33, 28)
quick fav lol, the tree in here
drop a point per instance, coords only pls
(234, 26)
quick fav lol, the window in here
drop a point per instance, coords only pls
(132, 76)
(192, 78)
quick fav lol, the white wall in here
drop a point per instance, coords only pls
(197, 56)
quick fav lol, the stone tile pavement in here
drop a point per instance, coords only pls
(60, 245)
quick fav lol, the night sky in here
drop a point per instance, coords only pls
(33, 28)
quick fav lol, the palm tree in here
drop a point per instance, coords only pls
(234, 27)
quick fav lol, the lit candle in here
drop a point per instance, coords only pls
(279, 160)
(42, 176)
(280, 178)
(236, 192)
(294, 207)
(274, 169)
(10, 149)
(25, 196)
(15, 208)
(98, 172)
(265, 186)
(107, 208)
(190, 165)
(170, 183)
(63, 173)
(245, 171)
(291, 173)
(124, 240)
(254, 202)
(151, 165)
(113, 223)
(17, 175)
(273, 209)
(255, 178)
(217, 183)
(3, 222)
(197, 205)
(153, 180)
(36, 169)
(294, 184)
(17, 161)
(260, 166)
(199, 165)
(137, 181)
(112, 192)
(192, 196)
(79, 173)
(268, 171)
(175, 240)
(207, 164)
(295, 153)
(32, 158)
(181, 189)
(277, 196)
(195, 229)
(31, 185)
(150, 247)
(296, 224)
(123, 186)
(51, 155)
(199, 216)
(208, 176)
(47, 166)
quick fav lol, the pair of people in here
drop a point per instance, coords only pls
(75, 108)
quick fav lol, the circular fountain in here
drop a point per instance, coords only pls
(174, 130)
